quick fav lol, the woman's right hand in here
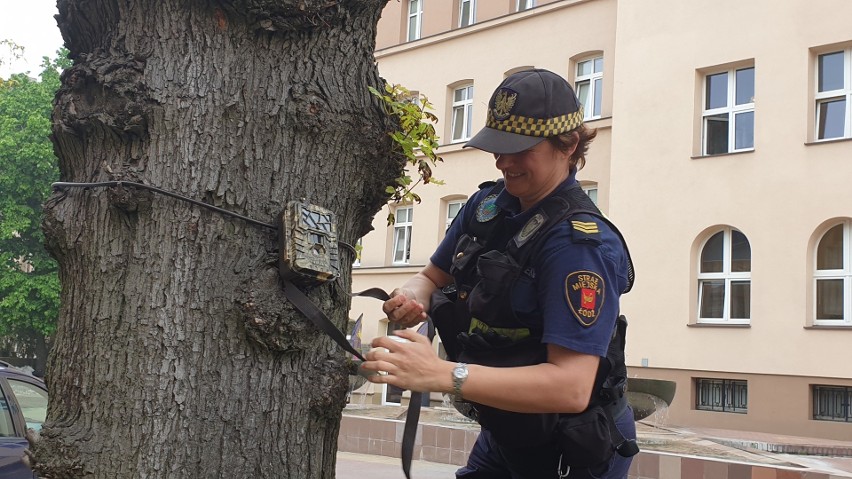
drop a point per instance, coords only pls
(404, 309)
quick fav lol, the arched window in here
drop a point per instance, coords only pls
(724, 279)
(833, 276)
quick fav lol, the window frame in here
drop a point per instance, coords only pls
(447, 218)
(728, 387)
(594, 90)
(466, 106)
(407, 227)
(726, 275)
(845, 93)
(418, 21)
(845, 274)
(524, 5)
(591, 190)
(846, 402)
(731, 109)
(472, 12)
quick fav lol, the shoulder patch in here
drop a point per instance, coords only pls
(585, 231)
(585, 292)
(487, 209)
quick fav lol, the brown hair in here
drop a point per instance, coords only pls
(564, 142)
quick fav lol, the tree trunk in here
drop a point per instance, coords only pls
(177, 354)
(41, 350)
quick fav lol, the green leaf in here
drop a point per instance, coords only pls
(416, 139)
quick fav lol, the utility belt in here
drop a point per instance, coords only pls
(586, 439)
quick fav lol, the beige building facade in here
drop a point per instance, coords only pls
(724, 154)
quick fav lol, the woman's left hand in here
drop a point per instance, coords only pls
(409, 365)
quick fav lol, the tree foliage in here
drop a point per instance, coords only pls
(29, 284)
(416, 139)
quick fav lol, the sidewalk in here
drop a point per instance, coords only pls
(370, 435)
(360, 466)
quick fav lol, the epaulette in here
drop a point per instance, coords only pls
(585, 229)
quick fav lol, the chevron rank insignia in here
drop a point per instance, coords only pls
(585, 232)
(585, 226)
(585, 292)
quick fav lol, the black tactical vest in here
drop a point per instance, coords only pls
(478, 324)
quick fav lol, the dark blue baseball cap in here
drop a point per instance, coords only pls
(526, 108)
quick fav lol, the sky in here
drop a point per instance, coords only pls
(28, 23)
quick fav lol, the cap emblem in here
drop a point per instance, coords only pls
(504, 101)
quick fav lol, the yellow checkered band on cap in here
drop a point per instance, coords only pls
(536, 127)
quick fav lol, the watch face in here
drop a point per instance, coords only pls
(460, 372)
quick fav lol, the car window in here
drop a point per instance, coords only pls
(6, 428)
(33, 403)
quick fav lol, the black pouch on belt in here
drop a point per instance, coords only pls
(584, 438)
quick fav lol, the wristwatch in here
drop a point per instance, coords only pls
(459, 376)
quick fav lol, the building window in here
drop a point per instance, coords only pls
(833, 276)
(402, 235)
(832, 403)
(834, 95)
(729, 111)
(724, 279)
(591, 191)
(467, 12)
(589, 86)
(462, 113)
(453, 208)
(525, 5)
(725, 395)
(415, 19)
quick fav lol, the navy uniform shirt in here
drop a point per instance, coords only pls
(574, 281)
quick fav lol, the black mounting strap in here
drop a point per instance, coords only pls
(412, 416)
(320, 320)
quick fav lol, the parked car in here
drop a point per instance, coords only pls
(23, 405)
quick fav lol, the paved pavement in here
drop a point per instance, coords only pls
(364, 466)
(814, 454)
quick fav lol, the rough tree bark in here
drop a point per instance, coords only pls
(177, 354)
